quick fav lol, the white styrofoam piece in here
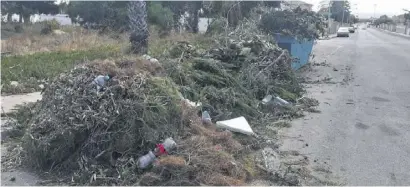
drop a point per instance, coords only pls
(236, 125)
(193, 104)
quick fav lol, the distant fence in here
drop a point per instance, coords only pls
(398, 28)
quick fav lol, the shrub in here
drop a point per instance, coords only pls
(45, 66)
(161, 16)
(49, 26)
(18, 28)
(298, 23)
(216, 26)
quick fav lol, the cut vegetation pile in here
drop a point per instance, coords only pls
(233, 77)
(85, 135)
(96, 139)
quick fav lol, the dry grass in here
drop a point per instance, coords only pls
(35, 58)
(77, 39)
(30, 40)
(205, 157)
(159, 47)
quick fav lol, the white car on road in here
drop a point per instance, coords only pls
(343, 31)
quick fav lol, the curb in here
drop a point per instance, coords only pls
(394, 34)
(328, 37)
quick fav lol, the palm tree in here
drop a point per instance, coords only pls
(137, 14)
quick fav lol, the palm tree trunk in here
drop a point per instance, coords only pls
(137, 14)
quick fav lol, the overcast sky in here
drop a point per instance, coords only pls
(365, 8)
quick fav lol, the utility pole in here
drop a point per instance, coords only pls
(343, 13)
(328, 17)
(374, 13)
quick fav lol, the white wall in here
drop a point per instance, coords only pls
(63, 19)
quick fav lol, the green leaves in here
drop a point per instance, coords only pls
(160, 15)
(297, 23)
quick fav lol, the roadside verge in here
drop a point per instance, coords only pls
(394, 33)
(328, 37)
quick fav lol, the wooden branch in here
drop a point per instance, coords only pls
(274, 62)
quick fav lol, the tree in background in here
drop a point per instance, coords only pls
(178, 9)
(302, 24)
(234, 11)
(384, 19)
(137, 15)
(113, 15)
(406, 17)
(406, 20)
(340, 11)
(8, 8)
(161, 16)
(105, 14)
(26, 8)
(353, 19)
(193, 15)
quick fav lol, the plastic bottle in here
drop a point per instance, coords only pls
(206, 118)
(146, 160)
(280, 101)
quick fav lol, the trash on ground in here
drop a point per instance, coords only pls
(206, 118)
(267, 99)
(14, 83)
(154, 60)
(148, 106)
(146, 160)
(169, 144)
(245, 51)
(193, 104)
(160, 150)
(100, 82)
(147, 57)
(236, 125)
(279, 101)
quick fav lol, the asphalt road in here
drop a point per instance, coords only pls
(363, 130)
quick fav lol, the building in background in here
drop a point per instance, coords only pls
(290, 5)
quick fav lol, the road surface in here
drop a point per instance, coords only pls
(363, 130)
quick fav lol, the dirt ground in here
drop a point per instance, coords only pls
(9, 102)
(16, 177)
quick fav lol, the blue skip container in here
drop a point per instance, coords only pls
(300, 50)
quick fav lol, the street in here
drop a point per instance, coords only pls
(363, 130)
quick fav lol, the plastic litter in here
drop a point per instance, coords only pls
(160, 150)
(236, 125)
(146, 57)
(146, 160)
(193, 104)
(206, 118)
(100, 82)
(276, 100)
(169, 144)
(267, 99)
(280, 101)
(154, 60)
